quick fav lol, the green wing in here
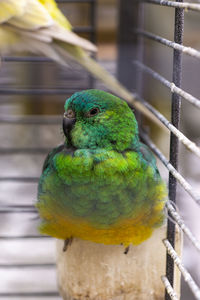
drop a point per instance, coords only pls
(148, 156)
(50, 156)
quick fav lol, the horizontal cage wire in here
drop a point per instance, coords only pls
(169, 288)
(177, 4)
(176, 91)
(188, 278)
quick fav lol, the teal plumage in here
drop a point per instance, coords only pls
(102, 184)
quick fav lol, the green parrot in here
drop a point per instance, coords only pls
(102, 184)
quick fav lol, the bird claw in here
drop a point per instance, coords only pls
(126, 250)
(67, 243)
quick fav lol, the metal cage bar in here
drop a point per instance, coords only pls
(186, 275)
(177, 4)
(174, 143)
(186, 50)
(171, 85)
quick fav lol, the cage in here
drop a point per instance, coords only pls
(149, 41)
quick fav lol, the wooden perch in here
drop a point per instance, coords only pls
(100, 272)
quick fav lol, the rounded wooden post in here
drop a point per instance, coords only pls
(99, 272)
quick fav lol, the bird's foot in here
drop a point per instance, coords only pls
(126, 250)
(67, 243)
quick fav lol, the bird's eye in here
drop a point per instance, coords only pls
(93, 112)
(70, 114)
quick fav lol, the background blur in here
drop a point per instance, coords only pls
(30, 125)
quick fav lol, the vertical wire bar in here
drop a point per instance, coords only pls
(130, 17)
(93, 22)
(140, 50)
(139, 57)
(127, 42)
(174, 144)
(93, 36)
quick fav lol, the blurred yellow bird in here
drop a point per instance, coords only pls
(38, 26)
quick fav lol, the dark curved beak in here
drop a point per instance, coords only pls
(68, 124)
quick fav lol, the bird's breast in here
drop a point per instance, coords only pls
(94, 193)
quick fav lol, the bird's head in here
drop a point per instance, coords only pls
(96, 119)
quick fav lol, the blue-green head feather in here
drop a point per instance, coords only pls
(96, 119)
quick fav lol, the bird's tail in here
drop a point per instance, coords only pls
(100, 73)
